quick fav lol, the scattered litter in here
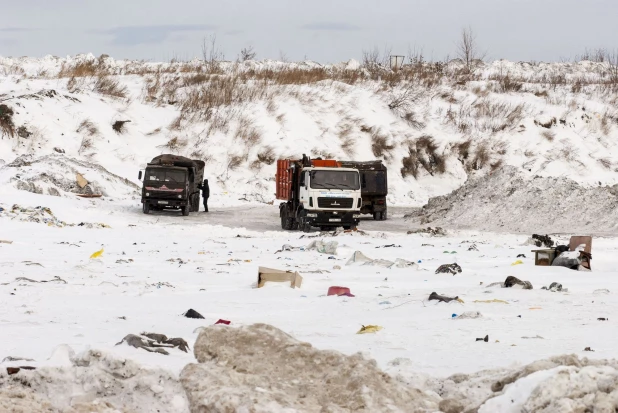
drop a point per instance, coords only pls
(272, 275)
(336, 267)
(535, 308)
(161, 284)
(389, 246)
(535, 337)
(485, 339)
(14, 370)
(122, 318)
(473, 247)
(514, 282)
(449, 269)
(521, 256)
(602, 319)
(360, 258)
(495, 300)
(53, 280)
(339, 291)
(555, 287)
(288, 247)
(191, 313)
(322, 247)
(470, 315)
(369, 329)
(154, 343)
(2, 241)
(385, 302)
(427, 245)
(30, 263)
(540, 241)
(588, 349)
(601, 291)
(453, 315)
(42, 215)
(450, 252)
(222, 321)
(10, 358)
(434, 232)
(121, 261)
(518, 262)
(442, 298)
(97, 254)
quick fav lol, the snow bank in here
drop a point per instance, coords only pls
(92, 382)
(543, 205)
(260, 368)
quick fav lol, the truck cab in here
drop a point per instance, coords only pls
(171, 182)
(317, 195)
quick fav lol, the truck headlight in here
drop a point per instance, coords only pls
(147, 193)
(179, 196)
(312, 215)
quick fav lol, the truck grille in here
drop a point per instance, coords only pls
(335, 203)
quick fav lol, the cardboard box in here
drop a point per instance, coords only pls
(273, 275)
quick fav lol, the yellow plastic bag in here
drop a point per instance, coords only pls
(96, 254)
(369, 329)
(517, 262)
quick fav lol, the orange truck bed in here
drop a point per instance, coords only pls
(284, 175)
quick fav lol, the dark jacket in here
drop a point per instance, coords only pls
(205, 189)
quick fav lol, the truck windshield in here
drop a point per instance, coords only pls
(334, 180)
(165, 175)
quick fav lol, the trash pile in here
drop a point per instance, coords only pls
(42, 215)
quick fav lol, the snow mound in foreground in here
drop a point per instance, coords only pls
(259, 368)
(56, 175)
(547, 205)
(92, 382)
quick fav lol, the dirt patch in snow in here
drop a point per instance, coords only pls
(508, 201)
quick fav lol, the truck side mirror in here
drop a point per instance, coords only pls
(139, 176)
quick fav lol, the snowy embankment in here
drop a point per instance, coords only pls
(433, 125)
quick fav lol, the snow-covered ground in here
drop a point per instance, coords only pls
(156, 267)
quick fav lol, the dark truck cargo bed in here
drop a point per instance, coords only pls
(374, 187)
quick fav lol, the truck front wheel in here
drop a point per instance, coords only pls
(146, 208)
(286, 222)
(186, 209)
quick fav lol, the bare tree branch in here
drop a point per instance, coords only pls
(468, 49)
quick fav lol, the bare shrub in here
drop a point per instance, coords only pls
(529, 153)
(212, 54)
(247, 53)
(468, 49)
(234, 162)
(110, 87)
(88, 128)
(541, 94)
(549, 135)
(481, 157)
(509, 84)
(7, 127)
(462, 150)
(82, 69)
(402, 100)
(267, 155)
(174, 144)
(412, 120)
(118, 126)
(86, 144)
(154, 132)
(247, 132)
(605, 162)
(195, 79)
(379, 144)
(423, 152)
(494, 166)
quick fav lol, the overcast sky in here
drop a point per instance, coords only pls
(321, 30)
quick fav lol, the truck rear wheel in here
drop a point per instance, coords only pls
(383, 215)
(146, 208)
(377, 216)
(286, 222)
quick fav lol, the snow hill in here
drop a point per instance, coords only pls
(433, 124)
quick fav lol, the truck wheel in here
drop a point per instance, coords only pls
(146, 208)
(195, 203)
(186, 209)
(286, 222)
(304, 226)
(377, 216)
(384, 215)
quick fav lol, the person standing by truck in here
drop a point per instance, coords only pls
(205, 194)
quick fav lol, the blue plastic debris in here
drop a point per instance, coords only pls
(385, 302)
(453, 315)
(331, 258)
(419, 261)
